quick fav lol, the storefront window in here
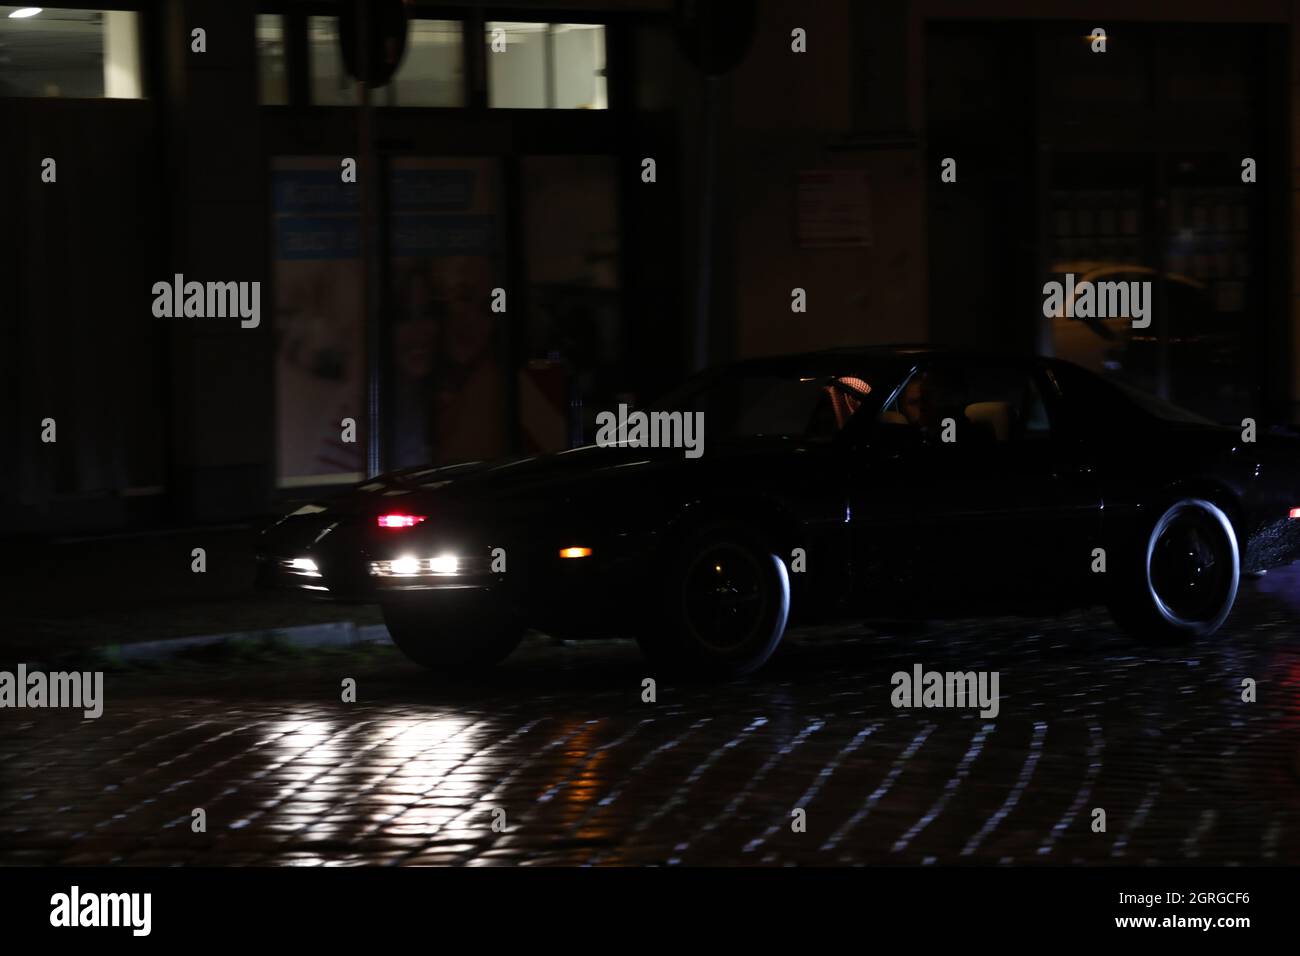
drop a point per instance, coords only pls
(574, 335)
(450, 384)
(84, 54)
(1138, 160)
(431, 73)
(1198, 348)
(320, 372)
(273, 80)
(330, 84)
(546, 65)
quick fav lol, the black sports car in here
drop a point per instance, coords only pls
(894, 482)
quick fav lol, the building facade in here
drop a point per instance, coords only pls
(554, 211)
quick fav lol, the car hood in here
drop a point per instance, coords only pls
(554, 473)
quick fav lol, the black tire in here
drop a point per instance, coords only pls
(721, 605)
(1183, 579)
(452, 641)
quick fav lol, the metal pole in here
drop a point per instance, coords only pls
(366, 169)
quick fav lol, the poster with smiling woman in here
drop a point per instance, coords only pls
(450, 387)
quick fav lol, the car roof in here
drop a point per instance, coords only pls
(896, 354)
(932, 351)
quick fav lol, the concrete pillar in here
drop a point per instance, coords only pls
(221, 388)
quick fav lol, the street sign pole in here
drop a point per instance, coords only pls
(366, 171)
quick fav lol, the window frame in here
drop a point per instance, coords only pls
(1032, 372)
(549, 59)
(148, 34)
(474, 37)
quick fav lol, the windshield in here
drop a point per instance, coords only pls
(748, 402)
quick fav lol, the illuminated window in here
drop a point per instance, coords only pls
(431, 73)
(273, 81)
(546, 65)
(330, 83)
(83, 54)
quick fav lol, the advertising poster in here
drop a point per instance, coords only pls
(320, 370)
(450, 394)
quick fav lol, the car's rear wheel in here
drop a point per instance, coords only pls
(452, 641)
(720, 608)
(1187, 572)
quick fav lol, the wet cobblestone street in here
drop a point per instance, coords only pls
(560, 752)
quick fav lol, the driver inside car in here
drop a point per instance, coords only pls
(929, 398)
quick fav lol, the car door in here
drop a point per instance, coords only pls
(1000, 512)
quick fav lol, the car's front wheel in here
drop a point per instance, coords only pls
(720, 607)
(452, 641)
(1187, 572)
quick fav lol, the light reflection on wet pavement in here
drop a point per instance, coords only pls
(562, 754)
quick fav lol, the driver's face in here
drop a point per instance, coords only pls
(913, 403)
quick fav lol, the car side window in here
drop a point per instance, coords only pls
(1010, 402)
(990, 404)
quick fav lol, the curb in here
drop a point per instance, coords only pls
(334, 634)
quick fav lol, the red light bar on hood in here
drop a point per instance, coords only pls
(399, 520)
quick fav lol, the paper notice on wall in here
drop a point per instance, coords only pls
(834, 208)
